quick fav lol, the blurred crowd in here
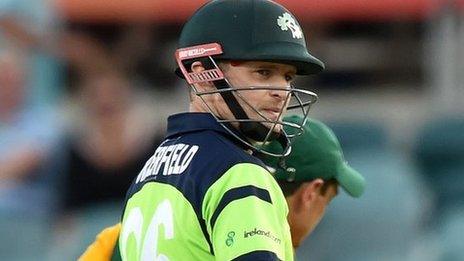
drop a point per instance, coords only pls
(82, 107)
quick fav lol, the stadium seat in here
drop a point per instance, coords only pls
(359, 135)
(451, 231)
(23, 237)
(384, 223)
(440, 157)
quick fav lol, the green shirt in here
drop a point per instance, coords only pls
(201, 197)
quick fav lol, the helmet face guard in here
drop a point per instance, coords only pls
(254, 132)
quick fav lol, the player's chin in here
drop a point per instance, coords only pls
(275, 127)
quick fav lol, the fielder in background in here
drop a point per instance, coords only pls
(310, 176)
(309, 180)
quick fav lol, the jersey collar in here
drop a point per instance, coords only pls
(191, 122)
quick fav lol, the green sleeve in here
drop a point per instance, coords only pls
(246, 214)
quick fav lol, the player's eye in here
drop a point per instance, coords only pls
(264, 72)
(289, 78)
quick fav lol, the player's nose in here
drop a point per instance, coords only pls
(279, 90)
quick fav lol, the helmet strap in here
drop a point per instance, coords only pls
(255, 131)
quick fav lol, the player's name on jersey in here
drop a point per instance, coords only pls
(168, 160)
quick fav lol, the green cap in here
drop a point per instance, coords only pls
(316, 153)
(251, 30)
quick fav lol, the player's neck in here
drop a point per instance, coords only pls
(197, 107)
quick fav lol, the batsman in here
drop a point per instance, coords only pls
(313, 172)
(204, 195)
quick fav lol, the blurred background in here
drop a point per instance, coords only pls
(86, 87)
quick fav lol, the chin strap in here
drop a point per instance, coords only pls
(253, 131)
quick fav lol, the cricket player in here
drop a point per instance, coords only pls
(309, 179)
(203, 190)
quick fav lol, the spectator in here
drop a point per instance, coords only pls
(29, 138)
(112, 135)
(33, 25)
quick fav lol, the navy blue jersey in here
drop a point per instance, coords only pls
(201, 196)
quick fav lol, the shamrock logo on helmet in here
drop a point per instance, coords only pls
(286, 22)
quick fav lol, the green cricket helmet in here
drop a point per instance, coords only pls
(247, 30)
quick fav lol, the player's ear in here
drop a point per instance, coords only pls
(311, 190)
(198, 67)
